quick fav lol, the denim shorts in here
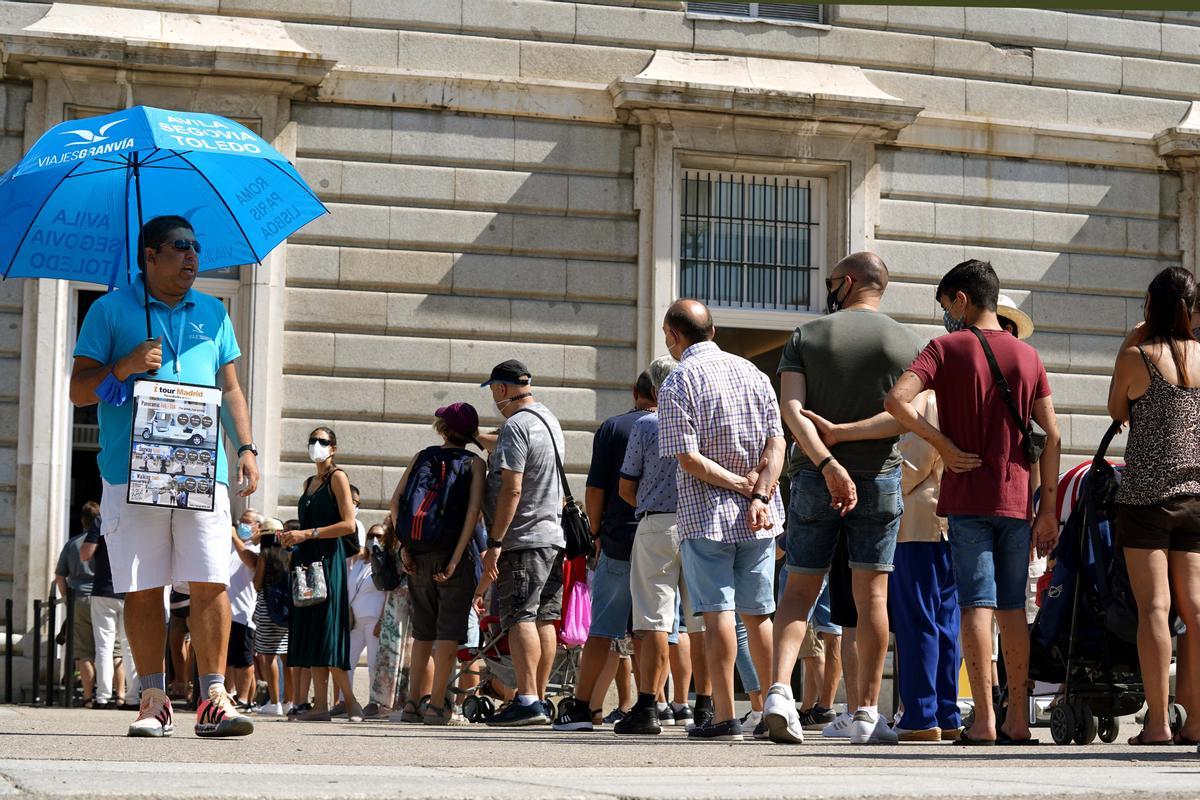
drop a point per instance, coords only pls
(611, 601)
(991, 561)
(870, 529)
(730, 576)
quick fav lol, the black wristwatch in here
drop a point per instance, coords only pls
(248, 447)
(494, 543)
(762, 498)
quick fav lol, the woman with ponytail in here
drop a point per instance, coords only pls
(1156, 389)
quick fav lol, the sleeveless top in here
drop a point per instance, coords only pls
(1162, 455)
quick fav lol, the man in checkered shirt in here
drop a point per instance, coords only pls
(719, 417)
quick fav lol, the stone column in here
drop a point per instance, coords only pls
(1179, 147)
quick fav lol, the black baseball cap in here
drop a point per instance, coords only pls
(511, 371)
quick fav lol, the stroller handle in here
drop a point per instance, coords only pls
(1106, 440)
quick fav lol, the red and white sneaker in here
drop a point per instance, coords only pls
(218, 716)
(155, 718)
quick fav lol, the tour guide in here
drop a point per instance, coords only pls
(154, 547)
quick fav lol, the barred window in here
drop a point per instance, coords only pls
(790, 12)
(748, 241)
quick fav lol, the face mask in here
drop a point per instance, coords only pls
(244, 532)
(832, 304)
(356, 512)
(318, 452)
(503, 404)
(952, 325)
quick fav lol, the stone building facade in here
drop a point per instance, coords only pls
(539, 178)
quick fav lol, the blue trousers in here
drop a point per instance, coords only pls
(923, 604)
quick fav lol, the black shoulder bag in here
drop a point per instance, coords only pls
(1033, 438)
(576, 531)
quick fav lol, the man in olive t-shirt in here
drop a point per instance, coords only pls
(835, 372)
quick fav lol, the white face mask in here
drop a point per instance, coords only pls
(318, 452)
(356, 512)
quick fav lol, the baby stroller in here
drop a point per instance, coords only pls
(1085, 634)
(493, 651)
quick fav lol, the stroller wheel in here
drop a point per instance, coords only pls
(1109, 728)
(551, 711)
(1085, 732)
(1176, 717)
(472, 709)
(488, 707)
(1062, 724)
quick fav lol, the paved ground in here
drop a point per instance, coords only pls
(82, 754)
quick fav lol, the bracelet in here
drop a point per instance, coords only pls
(762, 498)
(492, 543)
(821, 467)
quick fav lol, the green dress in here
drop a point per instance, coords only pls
(319, 636)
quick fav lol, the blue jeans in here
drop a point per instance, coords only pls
(870, 528)
(612, 603)
(991, 561)
(730, 576)
(923, 608)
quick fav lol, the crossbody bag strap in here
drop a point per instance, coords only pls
(562, 473)
(1001, 382)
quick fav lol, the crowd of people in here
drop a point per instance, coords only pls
(893, 480)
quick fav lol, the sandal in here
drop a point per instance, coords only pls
(411, 712)
(1005, 740)
(443, 716)
(312, 715)
(1183, 741)
(1138, 741)
(965, 739)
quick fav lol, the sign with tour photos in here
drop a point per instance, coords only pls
(173, 445)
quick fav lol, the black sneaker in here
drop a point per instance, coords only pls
(640, 721)
(683, 717)
(300, 709)
(704, 710)
(816, 718)
(573, 715)
(728, 731)
(516, 715)
(666, 717)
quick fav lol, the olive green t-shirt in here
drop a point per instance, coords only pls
(850, 360)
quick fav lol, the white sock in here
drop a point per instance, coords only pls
(527, 699)
(660, 706)
(678, 706)
(872, 712)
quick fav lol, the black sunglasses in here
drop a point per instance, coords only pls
(183, 245)
(319, 440)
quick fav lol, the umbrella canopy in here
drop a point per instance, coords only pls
(73, 206)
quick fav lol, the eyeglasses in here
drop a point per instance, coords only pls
(182, 245)
(320, 441)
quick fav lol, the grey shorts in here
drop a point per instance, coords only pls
(85, 641)
(530, 585)
(440, 611)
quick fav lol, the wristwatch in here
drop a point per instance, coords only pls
(315, 534)
(494, 543)
(248, 447)
(762, 498)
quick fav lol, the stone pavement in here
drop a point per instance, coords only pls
(84, 754)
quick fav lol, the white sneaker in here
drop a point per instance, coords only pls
(781, 716)
(839, 728)
(155, 717)
(864, 730)
(271, 710)
(287, 708)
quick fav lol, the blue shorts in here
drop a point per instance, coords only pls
(730, 576)
(612, 604)
(820, 614)
(991, 561)
(871, 528)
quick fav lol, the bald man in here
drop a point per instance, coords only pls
(835, 373)
(719, 418)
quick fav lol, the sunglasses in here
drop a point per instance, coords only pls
(320, 441)
(183, 245)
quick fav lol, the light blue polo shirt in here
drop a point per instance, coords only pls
(197, 340)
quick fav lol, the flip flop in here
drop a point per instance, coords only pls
(1007, 741)
(965, 739)
(1182, 741)
(1138, 741)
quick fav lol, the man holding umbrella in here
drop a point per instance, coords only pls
(193, 342)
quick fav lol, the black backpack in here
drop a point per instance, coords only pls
(435, 498)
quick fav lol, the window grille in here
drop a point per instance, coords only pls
(790, 12)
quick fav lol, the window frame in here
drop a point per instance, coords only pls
(827, 183)
(822, 25)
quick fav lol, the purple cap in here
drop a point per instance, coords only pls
(459, 417)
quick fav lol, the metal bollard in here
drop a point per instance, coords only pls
(37, 651)
(8, 653)
(69, 658)
(51, 644)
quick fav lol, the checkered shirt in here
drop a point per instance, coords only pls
(724, 408)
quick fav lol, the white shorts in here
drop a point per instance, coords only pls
(656, 577)
(152, 547)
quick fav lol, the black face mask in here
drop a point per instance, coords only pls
(832, 304)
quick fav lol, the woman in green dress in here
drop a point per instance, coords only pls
(319, 635)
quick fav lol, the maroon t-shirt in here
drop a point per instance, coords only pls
(972, 413)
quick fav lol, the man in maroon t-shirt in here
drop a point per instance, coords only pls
(985, 489)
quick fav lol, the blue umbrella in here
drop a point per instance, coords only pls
(73, 206)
